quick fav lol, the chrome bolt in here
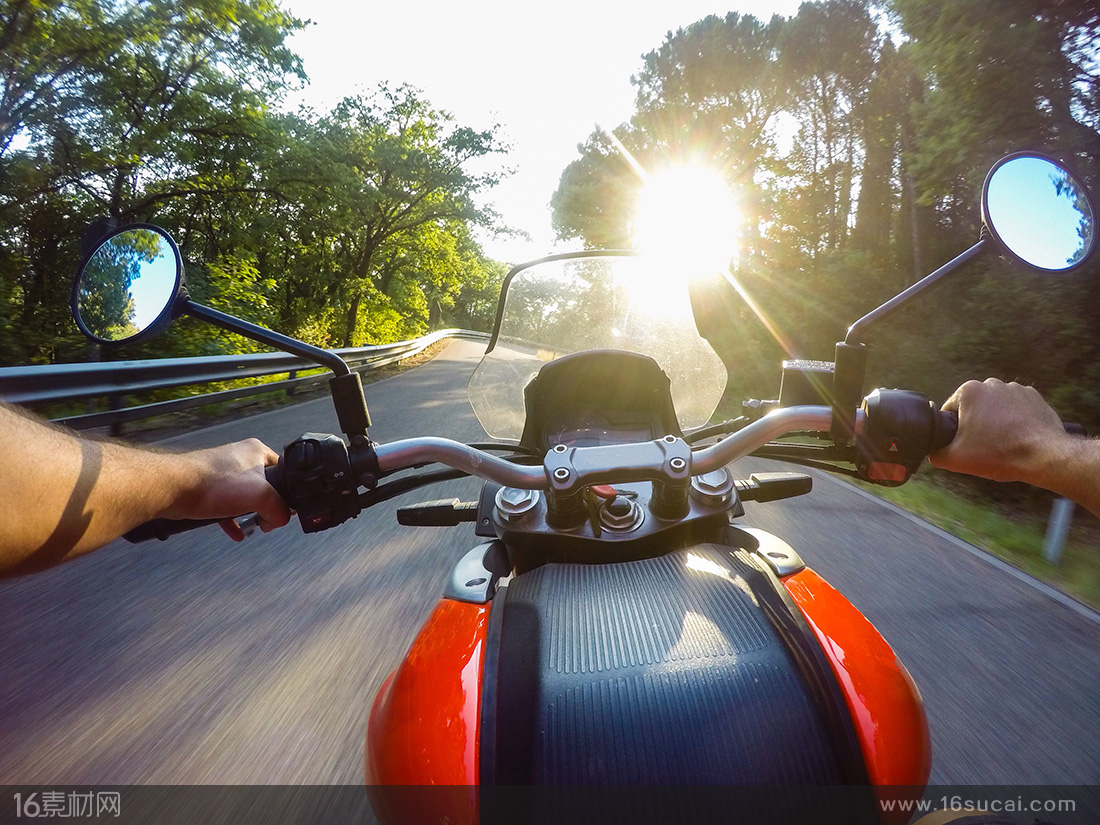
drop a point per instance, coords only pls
(713, 489)
(622, 514)
(513, 503)
(561, 474)
(678, 465)
(715, 481)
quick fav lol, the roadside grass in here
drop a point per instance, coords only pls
(1015, 535)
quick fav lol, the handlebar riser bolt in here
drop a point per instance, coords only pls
(621, 514)
(713, 489)
(561, 474)
(513, 503)
(560, 448)
(678, 465)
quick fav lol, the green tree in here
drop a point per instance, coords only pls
(710, 92)
(879, 124)
(394, 168)
(830, 53)
(999, 78)
(117, 109)
(597, 192)
(48, 50)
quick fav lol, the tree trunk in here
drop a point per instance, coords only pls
(352, 320)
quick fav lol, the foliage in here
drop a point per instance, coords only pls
(349, 227)
(857, 135)
(396, 208)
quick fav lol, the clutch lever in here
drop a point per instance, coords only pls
(162, 528)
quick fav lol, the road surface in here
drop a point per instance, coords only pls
(200, 661)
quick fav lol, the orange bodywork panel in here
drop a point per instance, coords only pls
(884, 703)
(424, 726)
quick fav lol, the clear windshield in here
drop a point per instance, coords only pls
(557, 307)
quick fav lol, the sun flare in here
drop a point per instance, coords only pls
(687, 212)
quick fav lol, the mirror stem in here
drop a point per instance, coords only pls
(345, 385)
(265, 336)
(850, 365)
(857, 330)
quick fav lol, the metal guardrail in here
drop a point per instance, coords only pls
(69, 382)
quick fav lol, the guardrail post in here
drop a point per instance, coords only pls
(115, 403)
(1061, 517)
(290, 376)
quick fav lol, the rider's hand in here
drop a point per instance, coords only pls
(64, 495)
(1007, 432)
(229, 481)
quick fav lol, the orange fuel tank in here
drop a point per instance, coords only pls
(883, 701)
(423, 728)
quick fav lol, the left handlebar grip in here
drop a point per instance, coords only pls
(162, 528)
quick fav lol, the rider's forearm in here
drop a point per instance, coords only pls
(64, 496)
(1070, 467)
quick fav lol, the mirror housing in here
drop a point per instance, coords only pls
(127, 288)
(1039, 212)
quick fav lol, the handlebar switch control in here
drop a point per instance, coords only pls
(316, 479)
(902, 428)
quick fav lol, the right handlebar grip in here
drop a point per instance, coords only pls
(944, 429)
(274, 476)
(947, 425)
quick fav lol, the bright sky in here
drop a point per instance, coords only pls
(546, 73)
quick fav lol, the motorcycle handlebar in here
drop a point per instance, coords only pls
(777, 423)
(399, 455)
(411, 452)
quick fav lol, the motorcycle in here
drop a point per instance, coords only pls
(619, 642)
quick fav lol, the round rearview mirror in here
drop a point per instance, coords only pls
(126, 288)
(1039, 212)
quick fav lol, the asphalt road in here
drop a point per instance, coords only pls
(200, 661)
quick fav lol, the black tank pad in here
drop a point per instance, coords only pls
(667, 671)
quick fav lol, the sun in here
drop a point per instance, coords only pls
(687, 212)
